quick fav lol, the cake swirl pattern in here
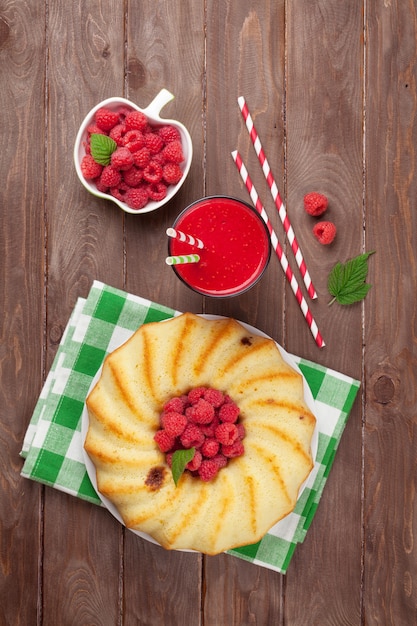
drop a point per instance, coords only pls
(250, 494)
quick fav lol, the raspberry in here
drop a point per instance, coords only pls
(117, 133)
(233, 450)
(136, 197)
(133, 140)
(174, 423)
(153, 142)
(202, 412)
(214, 396)
(171, 173)
(315, 203)
(174, 404)
(89, 168)
(169, 133)
(173, 152)
(106, 119)
(226, 433)
(221, 460)
(192, 436)
(210, 448)
(100, 187)
(164, 440)
(229, 412)
(93, 129)
(209, 430)
(122, 159)
(152, 173)
(241, 432)
(142, 157)
(324, 232)
(195, 462)
(133, 176)
(195, 394)
(136, 120)
(110, 177)
(208, 470)
(157, 191)
(119, 192)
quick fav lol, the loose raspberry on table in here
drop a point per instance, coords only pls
(157, 191)
(325, 232)
(106, 119)
(171, 173)
(136, 120)
(173, 152)
(226, 433)
(121, 159)
(208, 470)
(136, 197)
(229, 412)
(90, 169)
(164, 440)
(110, 177)
(173, 422)
(169, 133)
(153, 142)
(192, 437)
(315, 203)
(152, 172)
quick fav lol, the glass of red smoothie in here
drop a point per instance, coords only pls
(236, 248)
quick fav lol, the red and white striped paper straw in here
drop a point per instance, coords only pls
(276, 197)
(278, 250)
(178, 234)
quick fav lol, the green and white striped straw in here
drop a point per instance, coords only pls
(182, 259)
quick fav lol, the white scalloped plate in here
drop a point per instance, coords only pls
(288, 358)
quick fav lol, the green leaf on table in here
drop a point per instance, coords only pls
(346, 282)
(102, 148)
(180, 458)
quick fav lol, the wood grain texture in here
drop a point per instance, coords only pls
(332, 88)
(85, 241)
(324, 118)
(21, 298)
(390, 454)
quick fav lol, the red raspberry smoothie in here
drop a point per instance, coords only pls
(236, 246)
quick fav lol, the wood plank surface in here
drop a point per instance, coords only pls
(332, 88)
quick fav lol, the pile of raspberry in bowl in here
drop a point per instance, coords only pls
(143, 159)
(207, 420)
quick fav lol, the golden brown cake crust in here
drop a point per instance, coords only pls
(254, 491)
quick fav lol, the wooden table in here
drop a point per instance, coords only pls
(332, 87)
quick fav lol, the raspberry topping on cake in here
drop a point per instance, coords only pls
(205, 419)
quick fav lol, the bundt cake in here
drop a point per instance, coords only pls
(191, 393)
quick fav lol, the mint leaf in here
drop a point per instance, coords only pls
(180, 458)
(346, 282)
(102, 148)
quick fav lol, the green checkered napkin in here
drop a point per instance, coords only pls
(52, 447)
